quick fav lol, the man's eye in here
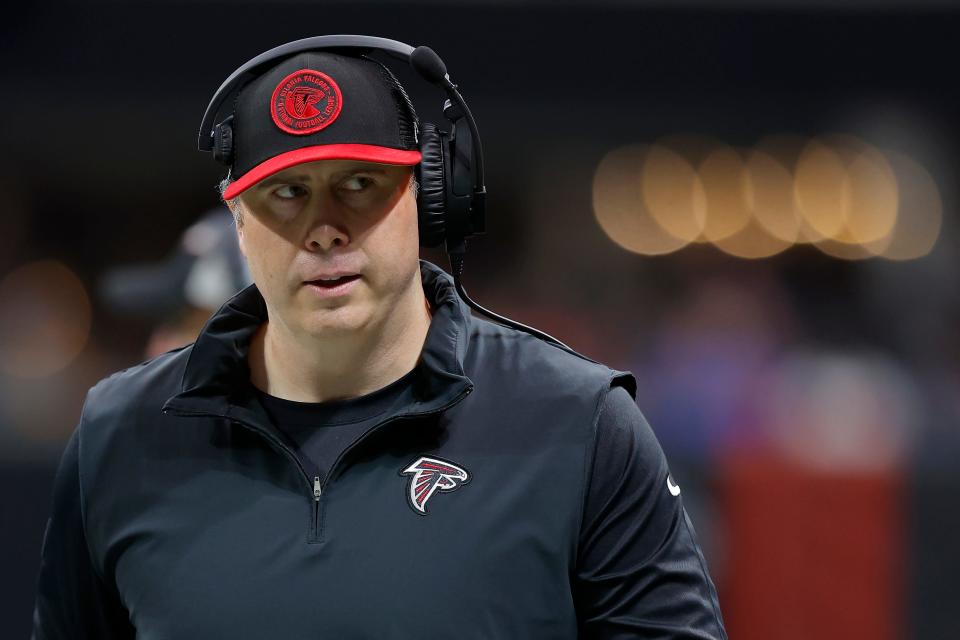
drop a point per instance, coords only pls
(357, 183)
(290, 191)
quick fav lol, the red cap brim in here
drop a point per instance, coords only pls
(365, 152)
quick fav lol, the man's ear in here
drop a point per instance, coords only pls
(234, 206)
(243, 249)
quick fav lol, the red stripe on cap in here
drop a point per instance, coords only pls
(365, 152)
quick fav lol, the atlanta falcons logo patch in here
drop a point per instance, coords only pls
(429, 475)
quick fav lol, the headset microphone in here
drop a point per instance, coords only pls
(428, 64)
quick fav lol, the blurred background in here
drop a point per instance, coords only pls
(751, 205)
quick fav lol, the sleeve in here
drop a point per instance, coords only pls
(72, 601)
(639, 570)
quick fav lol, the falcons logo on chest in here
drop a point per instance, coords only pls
(430, 475)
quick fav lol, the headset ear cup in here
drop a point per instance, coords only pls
(432, 197)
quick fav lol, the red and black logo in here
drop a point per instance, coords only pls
(305, 102)
(430, 475)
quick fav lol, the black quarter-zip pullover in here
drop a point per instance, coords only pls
(511, 490)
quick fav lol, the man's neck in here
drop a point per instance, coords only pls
(320, 371)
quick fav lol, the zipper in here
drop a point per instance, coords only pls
(317, 487)
(277, 445)
(315, 530)
(366, 433)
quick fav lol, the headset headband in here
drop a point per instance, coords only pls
(249, 69)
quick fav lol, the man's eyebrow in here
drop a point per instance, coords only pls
(355, 170)
(266, 182)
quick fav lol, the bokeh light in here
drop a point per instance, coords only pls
(820, 188)
(44, 319)
(843, 195)
(725, 185)
(872, 204)
(920, 217)
(619, 207)
(752, 242)
(673, 193)
(770, 196)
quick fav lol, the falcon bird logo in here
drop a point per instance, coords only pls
(300, 101)
(429, 475)
(305, 102)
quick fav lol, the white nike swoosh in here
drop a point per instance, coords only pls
(673, 488)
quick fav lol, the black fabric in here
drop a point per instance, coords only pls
(179, 512)
(371, 111)
(408, 123)
(633, 526)
(628, 511)
(320, 431)
(72, 600)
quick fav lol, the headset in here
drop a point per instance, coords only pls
(451, 201)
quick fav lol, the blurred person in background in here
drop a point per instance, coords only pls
(179, 294)
(463, 478)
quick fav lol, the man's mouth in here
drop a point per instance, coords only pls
(334, 282)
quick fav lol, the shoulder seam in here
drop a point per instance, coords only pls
(517, 334)
(587, 470)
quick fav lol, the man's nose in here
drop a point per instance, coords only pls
(328, 228)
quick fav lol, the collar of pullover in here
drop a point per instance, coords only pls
(216, 378)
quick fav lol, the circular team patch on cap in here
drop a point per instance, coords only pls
(305, 102)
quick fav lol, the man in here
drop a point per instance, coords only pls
(178, 294)
(346, 451)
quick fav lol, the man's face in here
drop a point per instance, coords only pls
(328, 216)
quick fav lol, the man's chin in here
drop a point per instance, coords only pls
(325, 321)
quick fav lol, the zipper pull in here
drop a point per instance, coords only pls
(316, 488)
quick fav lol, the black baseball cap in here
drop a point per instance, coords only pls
(320, 105)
